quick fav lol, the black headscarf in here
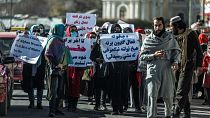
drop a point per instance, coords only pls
(127, 30)
(113, 28)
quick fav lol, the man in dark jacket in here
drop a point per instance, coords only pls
(188, 42)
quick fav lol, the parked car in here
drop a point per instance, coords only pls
(10, 71)
(6, 40)
(6, 83)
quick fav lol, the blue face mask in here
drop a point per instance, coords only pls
(73, 34)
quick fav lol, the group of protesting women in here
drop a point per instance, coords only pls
(138, 82)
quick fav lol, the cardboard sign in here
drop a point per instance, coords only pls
(80, 49)
(119, 46)
(84, 22)
(28, 48)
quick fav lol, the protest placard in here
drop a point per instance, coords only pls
(84, 22)
(119, 46)
(80, 49)
(28, 48)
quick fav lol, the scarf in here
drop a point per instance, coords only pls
(182, 41)
(57, 31)
(166, 42)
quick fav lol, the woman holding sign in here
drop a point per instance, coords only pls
(74, 74)
(119, 72)
(33, 75)
(134, 81)
(100, 76)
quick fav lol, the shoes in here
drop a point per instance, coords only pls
(103, 107)
(138, 110)
(186, 113)
(115, 113)
(58, 112)
(31, 105)
(204, 103)
(51, 114)
(125, 109)
(74, 109)
(39, 106)
(121, 110)
(74, 104)
(97, 108)
(90, 103)
(177, 112)
(69, 108)
(143, 108)
(186, 116)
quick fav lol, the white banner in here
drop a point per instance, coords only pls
(119, 46)
(80, 49)
(28, 48)
(84, 22)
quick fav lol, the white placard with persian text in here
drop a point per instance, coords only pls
(28, 48)
(119, 46)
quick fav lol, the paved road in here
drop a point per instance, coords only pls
(19, 110)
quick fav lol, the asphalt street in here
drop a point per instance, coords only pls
(19, 109)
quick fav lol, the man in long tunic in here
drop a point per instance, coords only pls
(161, 52)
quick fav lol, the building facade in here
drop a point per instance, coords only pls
(147, 9)
(124, 9)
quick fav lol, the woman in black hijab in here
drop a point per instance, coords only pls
(119, 73)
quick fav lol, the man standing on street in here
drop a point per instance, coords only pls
(161, 52)
(188, 42)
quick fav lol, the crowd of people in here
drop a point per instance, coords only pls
(164, 69)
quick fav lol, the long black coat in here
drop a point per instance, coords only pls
(119, 81)
(37, 81)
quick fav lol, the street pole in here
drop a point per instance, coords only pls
(6, 9)
(203, 4)
(190, 12)
(11, 12)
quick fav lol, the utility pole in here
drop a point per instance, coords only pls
(203, 4)
(6, 9)
(190, 12)
(11, 12)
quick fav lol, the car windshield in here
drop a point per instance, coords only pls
(5, 45)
